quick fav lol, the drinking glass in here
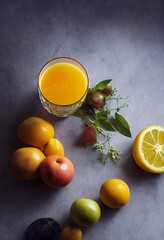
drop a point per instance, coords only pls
(62, 110)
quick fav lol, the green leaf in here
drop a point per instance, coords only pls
(101, 85)
(105, 123)
(97, 124)
(103, 119)
(122, 125)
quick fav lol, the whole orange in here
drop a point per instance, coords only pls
(114, 193)
(25, 163)
(35, 132)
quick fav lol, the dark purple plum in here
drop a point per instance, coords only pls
(43, 229)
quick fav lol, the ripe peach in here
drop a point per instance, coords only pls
(56, 171)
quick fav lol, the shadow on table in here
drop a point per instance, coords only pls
(133, 172)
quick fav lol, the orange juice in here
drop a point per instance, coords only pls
(63, 83)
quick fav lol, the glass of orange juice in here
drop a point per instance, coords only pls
(62, 84)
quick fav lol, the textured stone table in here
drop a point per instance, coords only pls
(122, 40)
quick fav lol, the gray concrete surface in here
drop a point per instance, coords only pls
(122, 40)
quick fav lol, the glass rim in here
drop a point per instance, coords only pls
(62, 105)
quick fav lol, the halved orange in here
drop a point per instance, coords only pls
(148, 149)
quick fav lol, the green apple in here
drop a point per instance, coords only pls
(85, 212)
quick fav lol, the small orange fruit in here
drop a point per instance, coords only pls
(35, 132)
(25, 163)
(54, 147)
(114, 193)
(71, 233)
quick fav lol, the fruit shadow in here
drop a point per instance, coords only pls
(133, 172)
(77, 141)
(107, 214)
(22, 236)
(38, 191)
(66, 220)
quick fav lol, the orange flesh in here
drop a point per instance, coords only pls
(153, 148)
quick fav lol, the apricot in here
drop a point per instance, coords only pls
(53, 147)
(71, 233)
(35, 132)
(25, 163)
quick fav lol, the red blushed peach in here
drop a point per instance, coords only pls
(25, 163)
(56, 171)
